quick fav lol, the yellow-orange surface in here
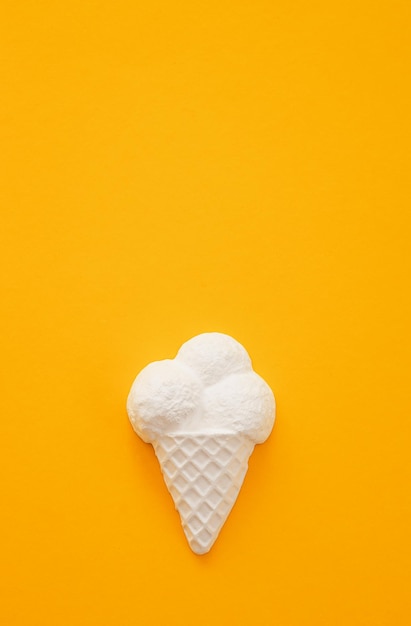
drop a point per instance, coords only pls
(170, 168)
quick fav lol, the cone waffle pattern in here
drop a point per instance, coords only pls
(204, 474)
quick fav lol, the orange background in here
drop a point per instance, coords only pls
(170, 168)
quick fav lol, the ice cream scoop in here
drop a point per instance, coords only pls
(203, 412)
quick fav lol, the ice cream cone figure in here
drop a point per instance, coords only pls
(203, 412)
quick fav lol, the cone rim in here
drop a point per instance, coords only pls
(201, 433)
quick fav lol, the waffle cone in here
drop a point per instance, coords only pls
(204, 474)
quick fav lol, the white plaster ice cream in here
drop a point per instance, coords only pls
(203, 412)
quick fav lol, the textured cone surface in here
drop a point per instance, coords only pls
(204, 474)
